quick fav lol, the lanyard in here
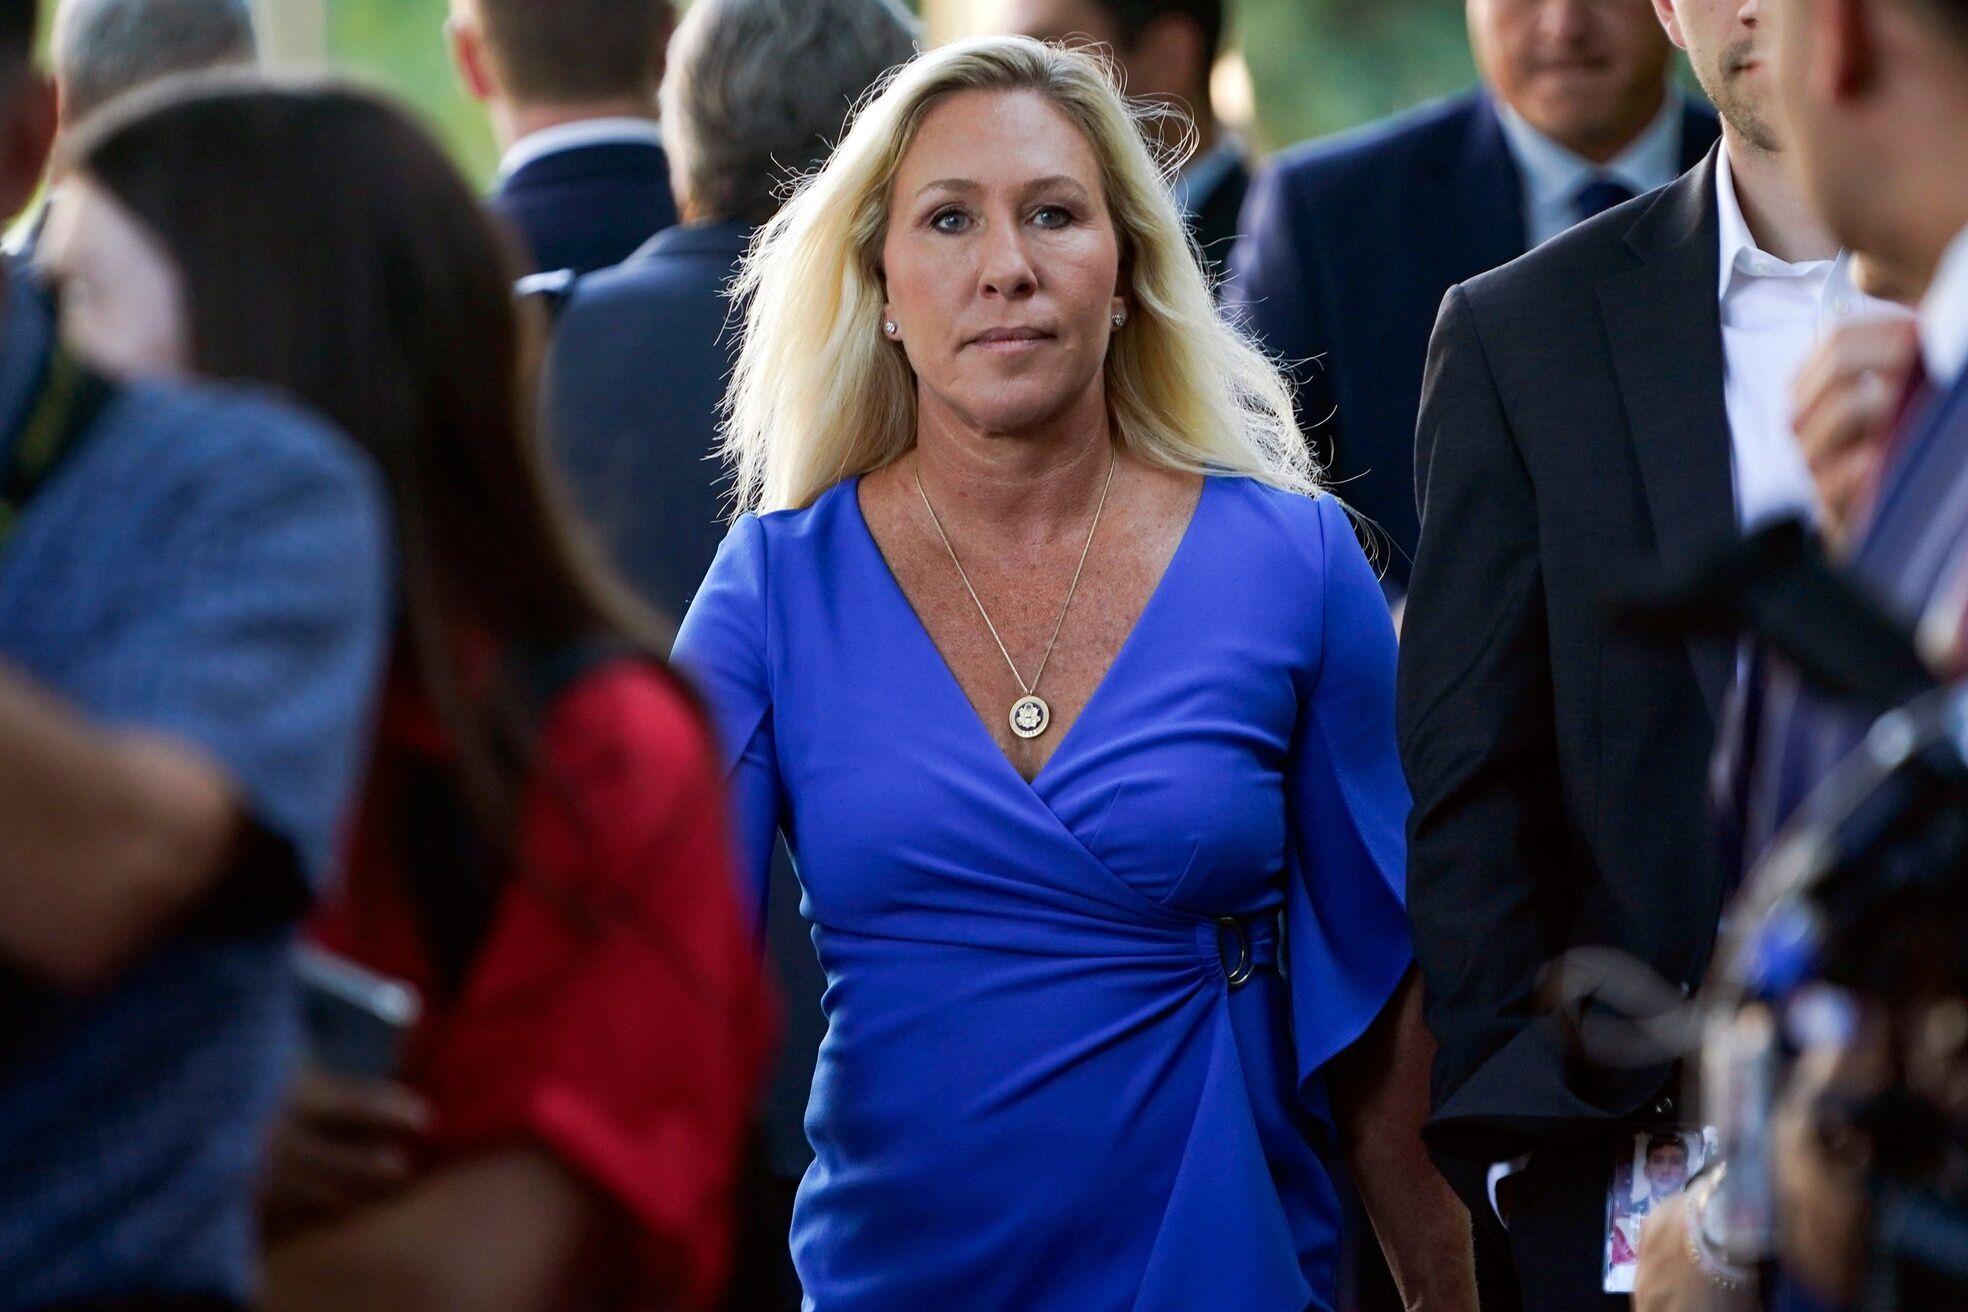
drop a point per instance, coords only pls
(66, 405)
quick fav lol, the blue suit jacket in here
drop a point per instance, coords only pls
(1907, 558)
(640, 358)
(1349, 245)
(591, 206)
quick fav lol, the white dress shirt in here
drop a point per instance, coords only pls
(1554, 175)
(1773, 316)
(1944, 317)
(576, 135)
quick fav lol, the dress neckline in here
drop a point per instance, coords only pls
(954, 687)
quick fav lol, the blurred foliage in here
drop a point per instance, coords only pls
(399, 45)
(1318, 66)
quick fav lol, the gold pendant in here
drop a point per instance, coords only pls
(1030, 716)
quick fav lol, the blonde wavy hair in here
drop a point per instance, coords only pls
(819, 395)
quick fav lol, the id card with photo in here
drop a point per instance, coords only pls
(1647, 1170)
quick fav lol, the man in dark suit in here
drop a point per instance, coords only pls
(1611, 405)
(640, 359)
(570, 86)
(1350, 243)
(1165, 49)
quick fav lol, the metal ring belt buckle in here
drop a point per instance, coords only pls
(1246, 965)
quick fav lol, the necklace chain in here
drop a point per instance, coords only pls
(1029, 689)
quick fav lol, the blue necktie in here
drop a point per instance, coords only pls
(1598, 196)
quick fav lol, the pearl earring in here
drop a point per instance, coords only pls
(889, 327)
(1119, 319)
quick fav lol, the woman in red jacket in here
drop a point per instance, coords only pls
(542, 846)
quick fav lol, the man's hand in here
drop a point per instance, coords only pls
(341, 1143)
(1844, 401)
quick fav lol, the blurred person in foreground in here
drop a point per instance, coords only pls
(1614, 404)
(1068, 689)
(193, 596)
(1350, 243)
(1166, 50)
(541, 848)
(570, 87)
(1875, 92)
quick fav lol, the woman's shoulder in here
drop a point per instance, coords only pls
(763, 544)
(1300, 527)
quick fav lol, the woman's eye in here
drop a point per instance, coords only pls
(950, 221)
(1052, 216)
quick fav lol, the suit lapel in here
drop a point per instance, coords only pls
(1474, 212)
(1664, 329)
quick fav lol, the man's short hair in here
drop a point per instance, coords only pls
(106, 48)
(1660, 1141)
(566, 52)
(737, 124)
(1132, 17)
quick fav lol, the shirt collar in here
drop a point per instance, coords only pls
(1553, 173)
(1740, 255)
(576, 135)
(1204, 174)
(1944, 316)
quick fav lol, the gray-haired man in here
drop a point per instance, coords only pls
(106, 48)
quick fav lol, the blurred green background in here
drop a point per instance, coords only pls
(1315, 65)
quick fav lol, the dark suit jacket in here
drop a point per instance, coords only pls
(640, 358)
(1348, 246)
(1214, 223)
(1573, 439)
(591, 206)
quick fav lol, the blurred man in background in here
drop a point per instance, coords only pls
(1349, 244)
(106, 48)
(1165, 49)
(193, 589)
(570, 86)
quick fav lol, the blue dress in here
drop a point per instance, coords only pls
(1038, 1088)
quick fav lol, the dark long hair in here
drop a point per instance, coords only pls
(327, 247)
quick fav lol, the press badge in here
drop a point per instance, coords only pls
(1647, 1170)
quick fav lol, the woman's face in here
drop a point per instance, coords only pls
(1001, 262)
(122, 301)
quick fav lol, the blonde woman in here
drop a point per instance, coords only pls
(1075, 702)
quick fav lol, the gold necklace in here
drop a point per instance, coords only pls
(1030, 716)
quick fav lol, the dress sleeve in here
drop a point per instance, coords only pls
(722, 647)
(617, 1015)
(1347, 930)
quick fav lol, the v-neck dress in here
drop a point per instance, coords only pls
(1039, 1089)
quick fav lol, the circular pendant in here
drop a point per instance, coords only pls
(1030, 716)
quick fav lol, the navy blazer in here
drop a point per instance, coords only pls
(639, 361)
(590, 206)
(1348, 247)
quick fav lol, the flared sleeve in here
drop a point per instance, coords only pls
(1347, 800)
(723, 649)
